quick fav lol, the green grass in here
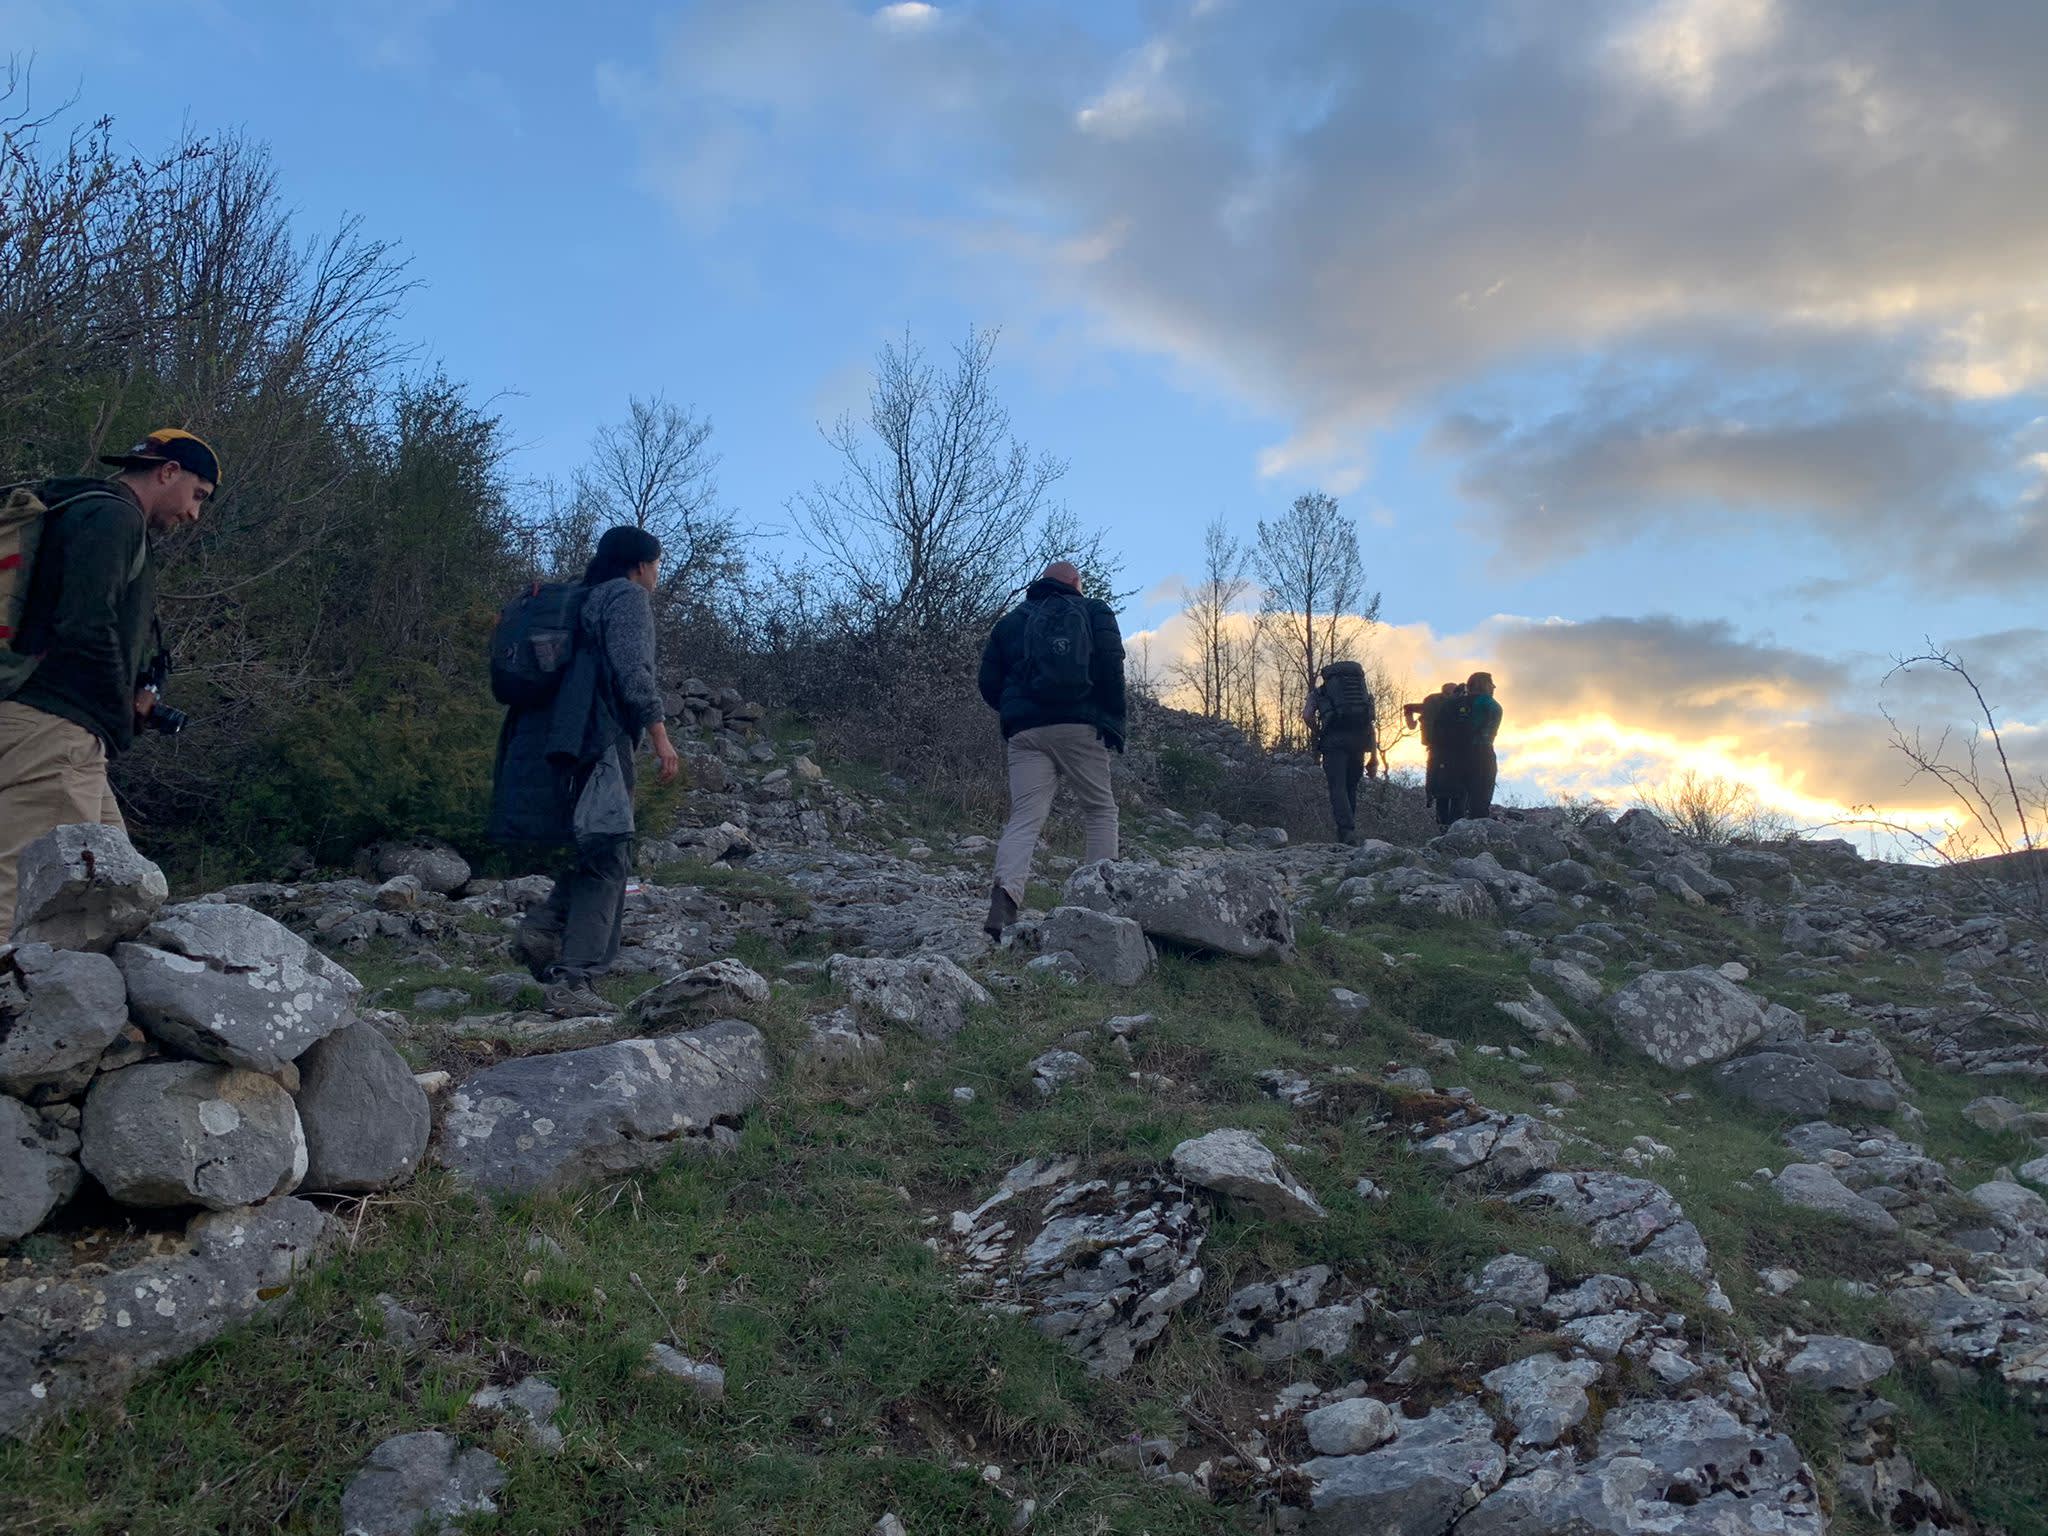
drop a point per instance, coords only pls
(859, 1381)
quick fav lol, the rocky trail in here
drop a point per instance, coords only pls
(1547, 1177)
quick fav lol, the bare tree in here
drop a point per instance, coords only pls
(1307, 560)
(1709, 808)
(1214, 671)
(656, 470)
(934, 515)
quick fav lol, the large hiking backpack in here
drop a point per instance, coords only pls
(1350, 700)
(532, 642)
(1457, 730)
(1059, 650)
(26, 511)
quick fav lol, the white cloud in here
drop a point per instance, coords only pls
(905, 15)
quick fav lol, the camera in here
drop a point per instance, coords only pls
(164, 719)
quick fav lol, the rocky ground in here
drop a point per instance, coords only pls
(1546, 1177)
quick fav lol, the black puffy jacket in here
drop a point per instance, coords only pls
(1005, 670)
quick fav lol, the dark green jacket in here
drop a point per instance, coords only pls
(91, 612)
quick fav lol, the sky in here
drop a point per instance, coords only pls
(1683, 362)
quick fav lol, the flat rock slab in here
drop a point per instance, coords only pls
(85, 887)
(421, 1481)
(552, 1122)
(366, 1119)
(927, 992)
(1816, 1188)
(66, 1338)
(1236, 1164)
(1618, 1211)
(58, 1010)
(1228, 908)
(1543, 1397)
(227, 984)
(171, 1133)
(705, 991)
(1836, 1364)
(1417, 1485)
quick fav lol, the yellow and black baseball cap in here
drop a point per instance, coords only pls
(171, 445)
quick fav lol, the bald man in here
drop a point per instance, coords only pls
(1053, 670)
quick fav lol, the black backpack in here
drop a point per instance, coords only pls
(532, 642)
(1457, 733)
(1350, 700)
(1059, 650)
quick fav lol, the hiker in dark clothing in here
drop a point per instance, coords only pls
(76, 683)
(1428, 715)
(1482, 768)
(565, 773)
(1340, 712)
(1053, 670)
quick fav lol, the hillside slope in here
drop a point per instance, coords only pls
(1542, 1178)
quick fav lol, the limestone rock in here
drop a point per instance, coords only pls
(705, 991)
(59, 1009)
(1349, 1428)
(550, 1122)
(1511, 1281)
(1685, 1019)
(700, 1376)
(37, 1171)
(1543, 1020)
(227, 984)
(1836, 1364)
(1777, 1084)
(1110, 948)
(1279, 1319)
(1435, 1469)
(1817, 1189)
(533, 1400)
(85, 887)
(1237, 1164)
(1623, 1212)
(1503, 1150)
(66, 1338)
(170, 1133)
(421, 1481)
(440, 870)
(1543, 1397)
(927, 992)
(366, 1119)
(1223, 907)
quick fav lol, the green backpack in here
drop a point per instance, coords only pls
(25, 514)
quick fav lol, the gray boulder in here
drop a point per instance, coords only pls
(1835, 1364)
(85, 887)
(68, 1337)
(440, 870)
(1815, 1188)
(1227, 908)
(1572, 980)
(1237, 1164)
(228, 984)
(1646, 836)
(1110, 948)
(1511, 1281)
(1689, 1018)
(927, 992)
(551, 1122)
(1777, 1084)
(366, 1120)
(711, 990)
(1502, 1150)
(170, 1133)
(58, 1010)
(420, 1481)
(1278, 1319)
(37, 1171)
(1543, 1397)
(1434, 1470)
(1543, 1020)
(1618, 1211)
(1349, 1428)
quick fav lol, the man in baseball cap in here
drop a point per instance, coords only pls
(90, 628)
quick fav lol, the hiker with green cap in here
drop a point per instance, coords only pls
(79, 644)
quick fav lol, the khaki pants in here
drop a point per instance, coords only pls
(52, 774)
(1039, 759)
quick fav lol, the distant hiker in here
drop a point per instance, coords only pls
(1466, 730)
(1053, 669)
(81, 657)
(1428, 715)
(1340, 712)
(576, 665)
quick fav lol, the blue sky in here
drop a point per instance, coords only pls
(1720, 320)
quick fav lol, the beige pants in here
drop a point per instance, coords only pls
(52, 774)
(1039, 759)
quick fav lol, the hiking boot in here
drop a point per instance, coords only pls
(1002, 912)
(575, 1000)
